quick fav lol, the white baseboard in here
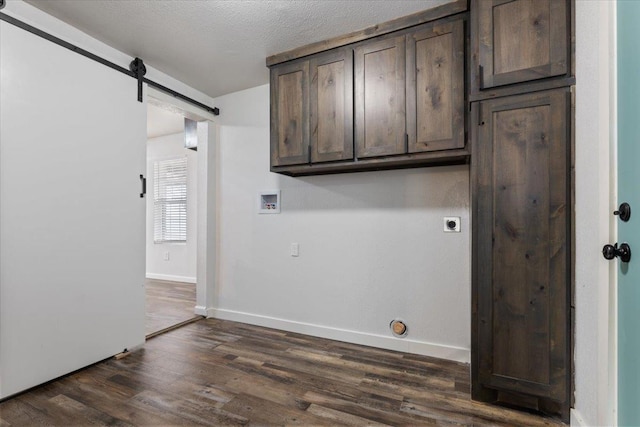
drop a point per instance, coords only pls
(391, 343)
(576, 418)
(171, 278)
(200, 310)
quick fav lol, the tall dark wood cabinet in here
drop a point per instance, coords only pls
(521, 244)
(522, 205)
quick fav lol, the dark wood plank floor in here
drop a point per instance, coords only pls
(167, 304)
(216, 372)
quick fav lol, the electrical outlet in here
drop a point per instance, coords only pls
(295, 249)
(166, 256)
(451, 224)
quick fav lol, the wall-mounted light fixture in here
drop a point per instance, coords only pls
(190, 134)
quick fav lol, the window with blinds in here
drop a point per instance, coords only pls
(170, 200)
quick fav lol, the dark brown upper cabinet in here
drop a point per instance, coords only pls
(391, 96)
(290, 114)
(410, 92)
(518, 41)
(312, 109)
(380, 98)
(331, 109)
(435, 88)
(521, 262)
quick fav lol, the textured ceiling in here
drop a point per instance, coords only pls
(220, 46)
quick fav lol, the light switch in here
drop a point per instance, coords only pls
(295, 249)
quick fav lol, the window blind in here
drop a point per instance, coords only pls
(170, 200)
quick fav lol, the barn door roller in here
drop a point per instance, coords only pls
(137, 69)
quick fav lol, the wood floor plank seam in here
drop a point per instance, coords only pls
(217, 372)
(167, 304)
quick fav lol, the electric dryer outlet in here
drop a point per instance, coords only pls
(451, 224)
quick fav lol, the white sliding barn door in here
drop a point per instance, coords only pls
(72, 147)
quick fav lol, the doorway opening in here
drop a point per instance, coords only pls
(171, 219)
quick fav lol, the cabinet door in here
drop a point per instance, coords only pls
(290, 114)
(435, 88)
(522, 213)
(331, 108)
(520, 40)
(380, 97)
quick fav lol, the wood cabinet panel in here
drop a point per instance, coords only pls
(331, 108)
(521, 243)
(435, 88)
(385, 103)
(380, 98)
(531, 29)
(522, 214)
(520, 40)
(290, 114)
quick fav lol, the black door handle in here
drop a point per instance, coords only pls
(612, 251)
(624, 212)
(143, 181)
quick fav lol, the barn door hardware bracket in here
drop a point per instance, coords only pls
(3, 3)
(136, 69)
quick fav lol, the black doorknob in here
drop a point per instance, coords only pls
(612, 251)
(624, 212)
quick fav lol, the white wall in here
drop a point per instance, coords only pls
(181, 265)
(595, 55)
(372, 246)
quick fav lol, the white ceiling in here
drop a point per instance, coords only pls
(220, 46)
